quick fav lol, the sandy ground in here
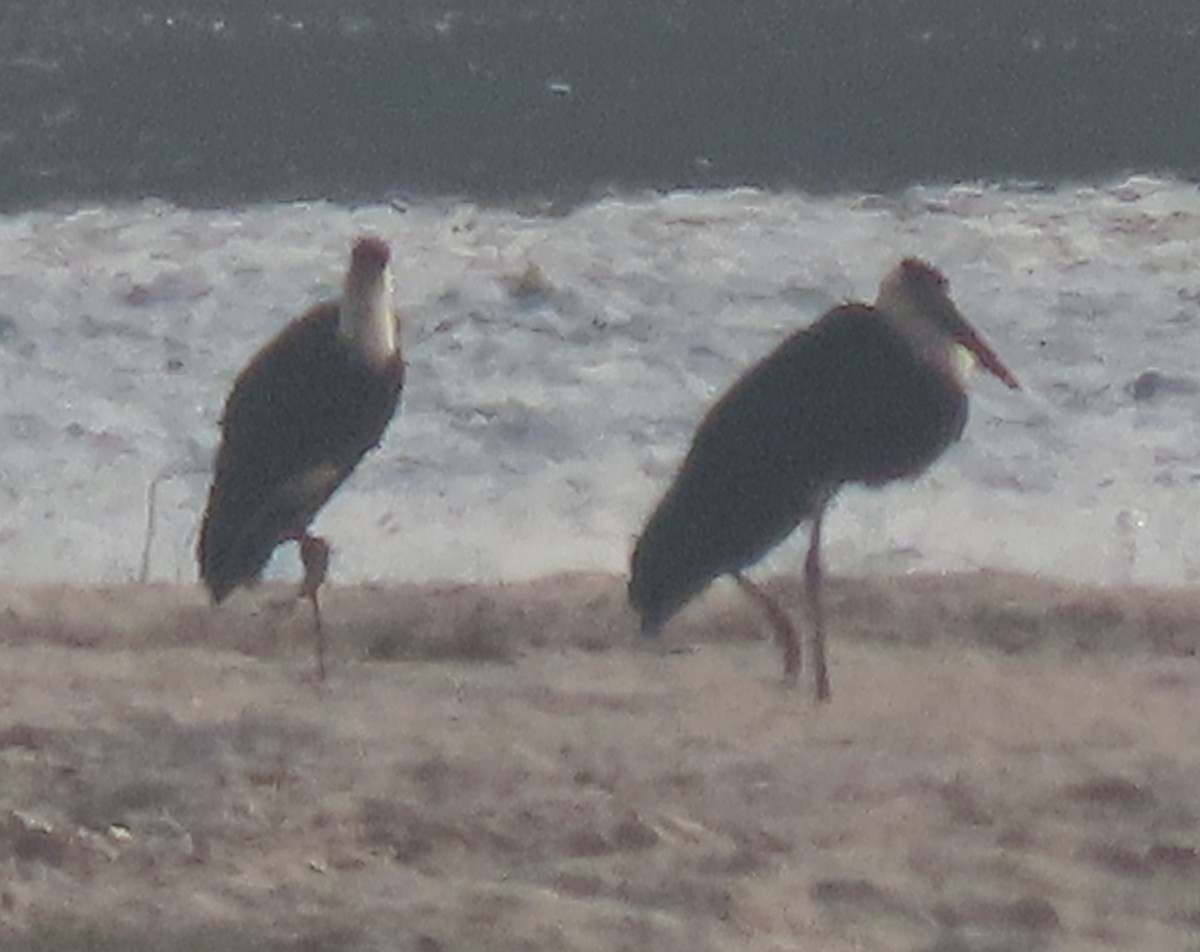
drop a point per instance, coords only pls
(1007, 764)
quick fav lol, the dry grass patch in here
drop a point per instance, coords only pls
(527, 776)
(1009, 613)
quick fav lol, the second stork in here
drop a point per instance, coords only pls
(867, 394)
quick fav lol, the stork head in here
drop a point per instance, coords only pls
(367, 320)
(914, 298)
(370, 254)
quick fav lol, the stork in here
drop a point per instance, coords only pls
(301, 415)
(866, 394)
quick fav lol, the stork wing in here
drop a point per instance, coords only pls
(844, 400)
(299, 418)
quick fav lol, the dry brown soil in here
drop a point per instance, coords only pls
(1007, 764)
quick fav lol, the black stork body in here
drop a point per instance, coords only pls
(302, 413)
(866, 394)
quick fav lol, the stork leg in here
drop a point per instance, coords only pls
(812, 579)
(314, 553)
(785, 631)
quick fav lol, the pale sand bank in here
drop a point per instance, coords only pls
(1006, 764)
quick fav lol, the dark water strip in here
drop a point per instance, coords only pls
(223, 102)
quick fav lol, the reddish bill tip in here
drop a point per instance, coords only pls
(993, 364)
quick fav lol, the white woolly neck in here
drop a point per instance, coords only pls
(366, 319)
(907, 314)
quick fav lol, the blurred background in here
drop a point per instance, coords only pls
(551, 102)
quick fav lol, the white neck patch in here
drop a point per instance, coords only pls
(904, 314)
(366, 319)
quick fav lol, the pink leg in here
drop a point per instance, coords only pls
(812, 578)
(314, 553)
(785, 631)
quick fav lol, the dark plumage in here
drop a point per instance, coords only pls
(301, 414)
(856, 397)
(743, 488)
